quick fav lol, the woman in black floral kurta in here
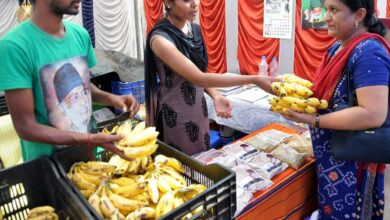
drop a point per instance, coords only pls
(175, 51)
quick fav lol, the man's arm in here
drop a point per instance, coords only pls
(21, 107)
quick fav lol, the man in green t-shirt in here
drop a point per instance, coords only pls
(44, 71)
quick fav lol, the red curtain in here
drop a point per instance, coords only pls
(153, 12)
(251, 43)
(212, 21)
(388, 9)
(310, 46)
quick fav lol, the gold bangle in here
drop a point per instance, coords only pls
(317, 121)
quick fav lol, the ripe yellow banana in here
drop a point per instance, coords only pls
(117, 215)
(279, 109)
(41, 210)
(48, 216)
(153, 189)
(98, 168)
(95, 179)
(142, 213)
(124, 203)
(165, 204)
(291, 100)
(173, 183)
(174, 174)
(146, 136)
(80, 182)
(106, 206)
(313, 102)
(137, 129)
(87, 192)
(130, 190)
(275, 87)
(169, 161)
(297, 108)
(163, 185)
(94, 200)
(123, 181)
(310, 109)
(137, 152)
(323, 104)
(291, 78)
(303, 91)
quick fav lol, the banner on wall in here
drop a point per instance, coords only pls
(313, 14)
(278, 18)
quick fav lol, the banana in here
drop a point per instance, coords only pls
(135, 166)
(313, 102)
(310, 109)
(165, 204)
(124, 203)
(169, 161)
(107, 208)
(91, 178)
(163, 185)
(303, 91)
(275, 87)
(144, 137)
(279, 109)
(87, 192)
(137, 152)
(199, 187)
(197, 210)
(125, 128)
(173, 183)
(98, 168)
(323, 104)
(41, 210)
(123, 181)
(117, 215)
(297, 108)
(80, 182)
(290, 88)
(174, 174)
(291, 100)
(137, 129)
(142, 213)
(94, 200)
(144, 164)
(153, 189)
(48, 216)
(291, 78)
(130, 190)
(142, 197)
(282, 91)
(177, 202)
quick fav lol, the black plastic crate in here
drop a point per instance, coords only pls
(3, 106)
(219, 200)
(37, 183)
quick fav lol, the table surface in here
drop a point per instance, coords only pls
(247, 116)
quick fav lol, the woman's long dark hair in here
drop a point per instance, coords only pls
(370, 21)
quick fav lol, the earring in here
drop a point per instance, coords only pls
(356, 24)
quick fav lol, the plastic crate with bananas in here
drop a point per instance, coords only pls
(158, 182)
(35, 190)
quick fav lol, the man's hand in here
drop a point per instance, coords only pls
(264, 82)
(223, 107)
(107, 141)
(300, 117)
(125, 103)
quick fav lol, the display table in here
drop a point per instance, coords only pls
(293, 194)
(247, 117)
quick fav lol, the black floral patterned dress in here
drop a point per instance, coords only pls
(181, 114)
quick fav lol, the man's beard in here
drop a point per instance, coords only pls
(70, 10)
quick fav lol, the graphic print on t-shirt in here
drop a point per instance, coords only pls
(67, 94)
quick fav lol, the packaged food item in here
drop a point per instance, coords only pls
(213, 156)
(243, 198)
(240, 150)
(249, 179)
(289, 155)
(300, 144)
(262, 143)
(267, 165)
(275, 134)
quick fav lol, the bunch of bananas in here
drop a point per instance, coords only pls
(294, 93)
(138, 142)
(42, 212)
(134, 166)
(164, 176)
(88, 176)
(174, 199)
(113, 206)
